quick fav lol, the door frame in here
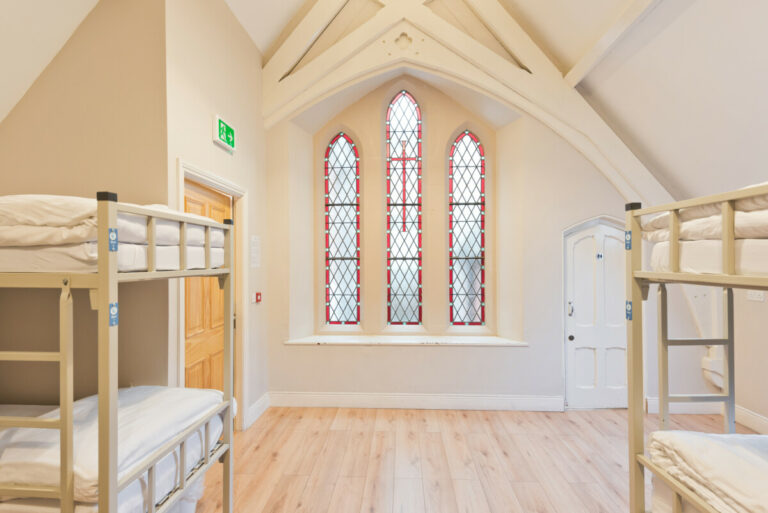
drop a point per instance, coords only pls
(187, 171)
(601, 220)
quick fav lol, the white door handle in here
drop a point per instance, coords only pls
(570, 308)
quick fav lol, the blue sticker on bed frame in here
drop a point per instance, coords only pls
(114, 314)
(628, 240)
(629, 310)
(113, 239)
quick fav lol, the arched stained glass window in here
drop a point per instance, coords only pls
(342, 231)
(466, 230)
(404, 210)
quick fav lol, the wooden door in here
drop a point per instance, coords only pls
(204, 301)
(596, 342)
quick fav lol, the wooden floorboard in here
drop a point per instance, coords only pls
(353, 460)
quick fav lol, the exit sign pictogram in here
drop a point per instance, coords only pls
(223, 134)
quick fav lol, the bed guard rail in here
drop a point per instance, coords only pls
(728, 276)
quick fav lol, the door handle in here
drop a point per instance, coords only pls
(570, 308)
(571, 338)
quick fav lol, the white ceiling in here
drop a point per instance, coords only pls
(264, 19)
(565, 29)
(31, 34)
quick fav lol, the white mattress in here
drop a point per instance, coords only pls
(45, 220)
(744, 205)
(706, 257)
(83, 258)
(728, 472)
(148, 417)
(747, 225)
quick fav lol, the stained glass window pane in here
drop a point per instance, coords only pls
(342, 232)
(466, 230)
(404, 210)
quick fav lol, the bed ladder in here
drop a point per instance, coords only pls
(65, 492)
(664, 343)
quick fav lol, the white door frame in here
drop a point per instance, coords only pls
(187, 171)
(605, 220)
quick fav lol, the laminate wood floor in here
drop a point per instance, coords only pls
(342, 460)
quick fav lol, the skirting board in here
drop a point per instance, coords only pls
(652, 407)
(418, 401)
(254, 411)
(752, 420)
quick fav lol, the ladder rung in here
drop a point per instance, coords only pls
(697, 342)
(698, 398)
(29, 422)
(29, 356)
(43, 492)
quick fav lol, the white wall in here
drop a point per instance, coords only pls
(544, 186)
(213, 68)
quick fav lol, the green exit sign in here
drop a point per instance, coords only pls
(223, 134)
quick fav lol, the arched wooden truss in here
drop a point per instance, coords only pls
(407, 34)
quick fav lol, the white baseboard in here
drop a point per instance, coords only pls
(418, 401)
(254, 411)
(652, 406)
(752, 420)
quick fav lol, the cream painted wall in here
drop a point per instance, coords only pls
(442, 121)
(543, 187)
(215, 68)
(93, 120)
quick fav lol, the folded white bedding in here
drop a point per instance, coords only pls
(186, 504)
(729, 472)
(45, 220)
(745, 205)
(747, 225)
(706, 256)
(148, 417)
(84, 258)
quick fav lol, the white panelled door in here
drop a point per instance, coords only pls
(595, 332)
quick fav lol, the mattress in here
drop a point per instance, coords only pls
(747, 225)
(706, 257)
(743, 205)
(148, 418)
(728, 472)
(46, 220)
(84, 258)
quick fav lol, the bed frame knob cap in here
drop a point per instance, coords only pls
(106, 196)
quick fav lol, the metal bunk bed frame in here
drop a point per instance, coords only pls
(638, 282)
(103, 288)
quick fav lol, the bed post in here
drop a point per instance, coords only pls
(108, 317)
(225, 282)
(634, 315)
(66, 398)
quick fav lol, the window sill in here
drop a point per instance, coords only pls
(405, 340)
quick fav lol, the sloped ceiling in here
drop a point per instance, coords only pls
(565, 29)
(31, 34)
(686, 90)
(264, 20)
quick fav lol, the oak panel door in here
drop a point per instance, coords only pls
(204, 301)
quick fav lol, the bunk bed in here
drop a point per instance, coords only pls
(720, 241)
(139, 449)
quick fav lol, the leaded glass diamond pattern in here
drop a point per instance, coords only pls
(404, 210)
(467, 230)
(342, 232)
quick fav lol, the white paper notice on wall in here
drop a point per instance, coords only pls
(255, 251)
